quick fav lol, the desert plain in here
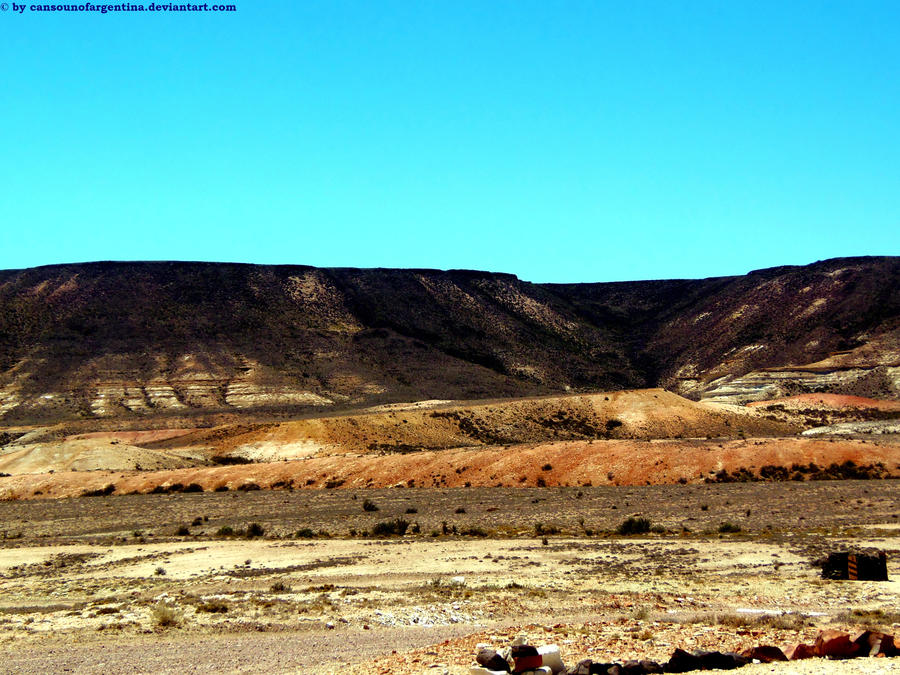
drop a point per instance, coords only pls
(330, 545)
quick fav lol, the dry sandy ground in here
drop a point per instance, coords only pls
(80, 591)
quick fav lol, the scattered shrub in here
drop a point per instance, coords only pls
(165, 615)
(255, 530)
(474, 532)
(280, 587)
(389, 527)
(369, 505)
(307, 533)
(225, 531)
(213, 607)
(634, 525)
(182, 531)
(728, 527)
(547, 467)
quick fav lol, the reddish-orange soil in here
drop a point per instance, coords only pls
(623, 462)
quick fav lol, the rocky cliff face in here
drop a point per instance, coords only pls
(134, 339)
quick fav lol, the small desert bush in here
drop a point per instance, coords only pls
(280, 587)
(474, 532)
(641, 613)
(213, 607)
(540, 529)
(634, 526)
(727, 527)
(305, 533)
(787, 621)
(255, 530)
(868, 617)
(369, 505)
(780, 621)
(165, 615)
(389, 527)
(225, 531)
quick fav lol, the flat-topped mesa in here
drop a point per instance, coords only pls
(132, 340)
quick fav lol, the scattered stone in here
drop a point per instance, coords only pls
(530, 660)
(835, 644)
(551, 658)
(491, 660)
(800, 651)
(764, 654)
(583, 667)
(873, 643)
(682, 662)
(720, 661)
(525, 658)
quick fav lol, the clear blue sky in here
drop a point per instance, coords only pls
(560, 141)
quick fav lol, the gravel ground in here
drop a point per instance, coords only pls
(289, 652)
(816, 666)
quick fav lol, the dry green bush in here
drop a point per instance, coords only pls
(165, 615)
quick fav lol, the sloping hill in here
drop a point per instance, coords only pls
(642, 414)
(126, 340)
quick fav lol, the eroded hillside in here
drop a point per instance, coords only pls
(143, 340)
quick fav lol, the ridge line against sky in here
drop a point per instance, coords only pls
(433, 269)
(580, 142)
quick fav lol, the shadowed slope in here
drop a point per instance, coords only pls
(136, 339)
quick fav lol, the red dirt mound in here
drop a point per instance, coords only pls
(624, 462)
